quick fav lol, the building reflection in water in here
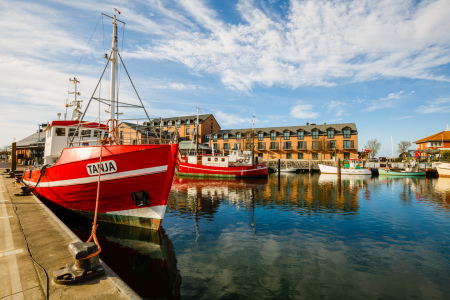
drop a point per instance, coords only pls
(144, 258)
(301, 192)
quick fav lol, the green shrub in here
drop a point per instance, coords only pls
(445, 154)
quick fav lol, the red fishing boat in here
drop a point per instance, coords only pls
(135, 180)
(237, 164)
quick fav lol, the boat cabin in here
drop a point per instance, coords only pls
(235, 158)
(58, 134)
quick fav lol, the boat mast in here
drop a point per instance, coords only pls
(253, 138)
(196, 132)
(113, 59)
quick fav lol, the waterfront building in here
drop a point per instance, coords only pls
(311, 141)
(30, 150)
(434, 144)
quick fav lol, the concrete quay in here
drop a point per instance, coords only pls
(28, 226)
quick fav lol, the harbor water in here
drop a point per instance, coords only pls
(300, 236)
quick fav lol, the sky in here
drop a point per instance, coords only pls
(383, 65)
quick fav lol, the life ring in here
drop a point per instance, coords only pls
(246, 160)
(241, 160)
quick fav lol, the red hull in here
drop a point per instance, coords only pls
(257, 170)
(135, 182)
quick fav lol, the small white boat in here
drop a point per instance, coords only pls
(324, 169)
(382, 171)
(443, 169)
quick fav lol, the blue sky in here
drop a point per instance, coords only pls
(383, 65)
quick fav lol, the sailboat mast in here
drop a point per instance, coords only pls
(113, 59)
(196, 132)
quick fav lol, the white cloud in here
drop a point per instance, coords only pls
(391, 100)
(440, 105)
(317, 43)
(337, 107)
(303, 111)
(226, 119)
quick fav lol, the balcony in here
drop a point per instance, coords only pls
(274, 147)
(261, 147)
(287, 147)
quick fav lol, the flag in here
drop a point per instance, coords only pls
(117, 11)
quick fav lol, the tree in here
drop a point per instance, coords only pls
(445, 155)
(403, 147)
(373, 145)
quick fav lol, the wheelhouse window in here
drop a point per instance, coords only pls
(60, 131)
(273, 136)
(346, 133)
(315, 134)
(330, 133)
(72, 131)
(300, 135)
(260, 136)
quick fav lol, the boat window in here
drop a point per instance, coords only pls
(209, 158)
(95, 133)
(60, 131)
(72, 131)
(223, 159)
(85, 133)
(216, 159)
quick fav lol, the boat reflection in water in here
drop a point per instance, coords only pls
(143, 258)
(292, 192)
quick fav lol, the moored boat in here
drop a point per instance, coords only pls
(325, 169)
(238, 164)
(443, 169)
(389, 172)
(133, 181)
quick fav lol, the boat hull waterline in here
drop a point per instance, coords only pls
(382, 171)
(256, 170)
(324, 169)
(134, 188)
(443, 169)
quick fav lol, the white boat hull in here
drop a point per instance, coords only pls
(443, 169)
(324, 169)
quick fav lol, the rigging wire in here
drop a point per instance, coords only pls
(75, 69)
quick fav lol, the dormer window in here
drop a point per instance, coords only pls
(215, 138)
(346, 133)
(260, 136)
(188, 122)
(300, 135)
(178, 124)
(238, 136)
(286, 135)
(330, 133)
(225, 137)
(315, 134)
(248, 136)
(273, 136)
(169, 124)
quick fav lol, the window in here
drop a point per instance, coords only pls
(301, 145)
(300, 135)
(347, 133)
(85, 133)
(72, 131)
(226, 146)
(260, 155)
(331, 144)
(273, 136)
(215, 138)
(248, 136)
(121, 135)
(315, 155)
(188, 131)
(237, 146)
(287, 146)
(178, 124)
(288, 155)
(260, 136)
(216, 146)
(225, 137)
(300, 155)
(212, 126)
(346, 155)
(188, 122)
(238, 136)
(286, 135)
(187, 138)
(169, 124)
(315, 134)
(261, 146)
(330, 133)
(273, 145)
(332, 155)
(60, 131)
(348, 144)
(314, 145)
(96, 133)
(248, 146)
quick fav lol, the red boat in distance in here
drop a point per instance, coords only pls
(135, 179)
(237, 164)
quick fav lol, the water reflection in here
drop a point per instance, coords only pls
(144, 258)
